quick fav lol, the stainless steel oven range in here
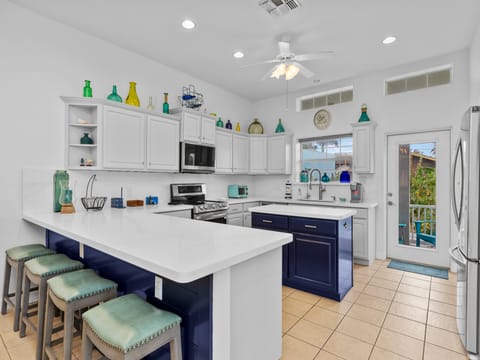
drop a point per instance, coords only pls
(194, 194)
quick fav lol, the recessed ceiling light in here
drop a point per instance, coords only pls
(238, 54)
(389, 40)
(188, 24)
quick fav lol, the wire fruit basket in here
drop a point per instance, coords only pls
(92, 202)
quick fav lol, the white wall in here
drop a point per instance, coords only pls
(475, 69)
(41, 60)
(432, 108)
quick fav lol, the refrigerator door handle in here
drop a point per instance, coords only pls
(459, 260)
(457, 212)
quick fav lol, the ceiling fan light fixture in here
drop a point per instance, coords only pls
(279, 71)
(291, 71)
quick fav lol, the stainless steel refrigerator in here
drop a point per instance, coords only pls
(465, 206)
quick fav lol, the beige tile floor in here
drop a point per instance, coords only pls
(388, 314)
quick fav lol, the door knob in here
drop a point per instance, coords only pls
(390, 203)
(389, 194)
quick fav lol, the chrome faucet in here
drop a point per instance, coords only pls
(321, 186)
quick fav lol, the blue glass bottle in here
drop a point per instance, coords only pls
(345, 177)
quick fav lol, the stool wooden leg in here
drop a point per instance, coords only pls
(87, 347)
(68, 333)
(42, 296)
(24, 311)
(47, 337)
(176, 345)
(18, 295)
(6, 285)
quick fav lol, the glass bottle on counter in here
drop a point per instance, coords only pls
(325, 178)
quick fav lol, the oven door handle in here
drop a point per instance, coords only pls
(210, 215)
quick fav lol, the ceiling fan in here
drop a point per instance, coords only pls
(288, 64)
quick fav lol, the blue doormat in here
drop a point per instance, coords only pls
(419, 269)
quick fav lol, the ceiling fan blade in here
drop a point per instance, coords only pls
(319, 56)
(303, 70)
(260, 63)
(283, 49)
(269, 73)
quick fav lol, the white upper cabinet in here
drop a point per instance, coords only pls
(279, 154)
(223, 152)
(198, 129)
(163, 144)
(240, 154)
(364, 147)
(258, 155)
(208, 131)
(123, 139)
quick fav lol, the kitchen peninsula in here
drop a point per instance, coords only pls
(208, 273)
(320, 258)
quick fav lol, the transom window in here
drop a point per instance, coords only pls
(330, 155)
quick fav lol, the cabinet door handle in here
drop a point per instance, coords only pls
(267, 221)
(311, 226)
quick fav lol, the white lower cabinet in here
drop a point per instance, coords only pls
(162, 144)
(239, 215)
(123, 139)
(364, 236)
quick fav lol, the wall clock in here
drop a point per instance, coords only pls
(322, 119)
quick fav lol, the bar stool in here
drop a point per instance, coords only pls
(15, 258)
(71, 292)
(130, 328)
(38, 271)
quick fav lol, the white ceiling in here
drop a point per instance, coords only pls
(353, 29)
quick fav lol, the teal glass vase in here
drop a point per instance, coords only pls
(325, 178)
(87, 90)
(166, 107)
(280, 128)
(220, 122)
(86, 140)
(114, 95)
(364, 117)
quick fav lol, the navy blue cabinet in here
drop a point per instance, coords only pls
(320, 258)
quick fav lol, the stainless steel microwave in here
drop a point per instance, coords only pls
(197, 158)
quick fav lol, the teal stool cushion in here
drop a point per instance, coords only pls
(44, 266)
(79, 284)
(128, 322)
(26, 252)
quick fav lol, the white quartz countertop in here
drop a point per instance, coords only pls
(315, 212)
(347, 204)
(179, 249)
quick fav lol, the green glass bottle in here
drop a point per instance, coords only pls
(166, 107)
(132, 98)
(220, 122)
(114, 95)
(87, 90)
(280, 128)
(60, 181)
(364, 116)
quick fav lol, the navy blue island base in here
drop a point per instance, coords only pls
(320, 258)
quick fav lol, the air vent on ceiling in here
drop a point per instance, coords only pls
(279, 7)
(327, 98)
(420, 80)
